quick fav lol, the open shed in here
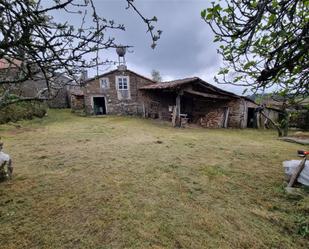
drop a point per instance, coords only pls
(196, 101)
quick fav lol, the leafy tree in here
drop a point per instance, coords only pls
(35, 45)
(264, 44)
(156, 76)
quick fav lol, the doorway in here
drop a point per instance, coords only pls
(99, 107)
(251, 119)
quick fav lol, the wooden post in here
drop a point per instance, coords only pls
(174, 116)
(297, 172)
(178, 110)
(144, 110)
(226, 118)
(257, 120)
(245, 115)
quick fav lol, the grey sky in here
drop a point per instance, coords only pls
(186, 46)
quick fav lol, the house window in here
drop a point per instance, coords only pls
(104, 83)
(123, 87)
(123, 83)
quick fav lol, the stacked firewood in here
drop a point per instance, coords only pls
(213, 119)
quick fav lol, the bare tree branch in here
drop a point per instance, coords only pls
(32, 42)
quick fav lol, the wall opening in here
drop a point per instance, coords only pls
(251, 119)
(99, 107)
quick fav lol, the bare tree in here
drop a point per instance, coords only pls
(156, 76)
(34, 45)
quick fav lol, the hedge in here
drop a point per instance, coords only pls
(22, 110)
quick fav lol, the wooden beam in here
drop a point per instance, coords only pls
(206, 95)
(215, 89)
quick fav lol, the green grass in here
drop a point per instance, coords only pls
(121, 182)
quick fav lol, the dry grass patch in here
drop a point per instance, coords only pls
(120, 182)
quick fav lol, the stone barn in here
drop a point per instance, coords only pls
(193, 100)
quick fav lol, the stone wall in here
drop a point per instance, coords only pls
(60, 99)
(157, 104)
(30, 88)
(77, 102)
(238, 112)
(132, 106)
(206, 112)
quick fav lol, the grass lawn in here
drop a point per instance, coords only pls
(121, 182)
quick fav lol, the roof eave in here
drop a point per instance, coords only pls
(113, 71)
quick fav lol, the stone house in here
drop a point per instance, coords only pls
(115, 92)
(30, 88)
(59, 95)
(189, 100)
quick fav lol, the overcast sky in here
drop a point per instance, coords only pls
(186, 46)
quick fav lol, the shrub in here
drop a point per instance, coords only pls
(300, 119)
(22, 110)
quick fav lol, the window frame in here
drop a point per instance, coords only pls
(107, 83)
(117, 83)
(120, 91)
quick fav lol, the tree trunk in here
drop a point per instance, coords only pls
(280, 133)
(285, 123)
